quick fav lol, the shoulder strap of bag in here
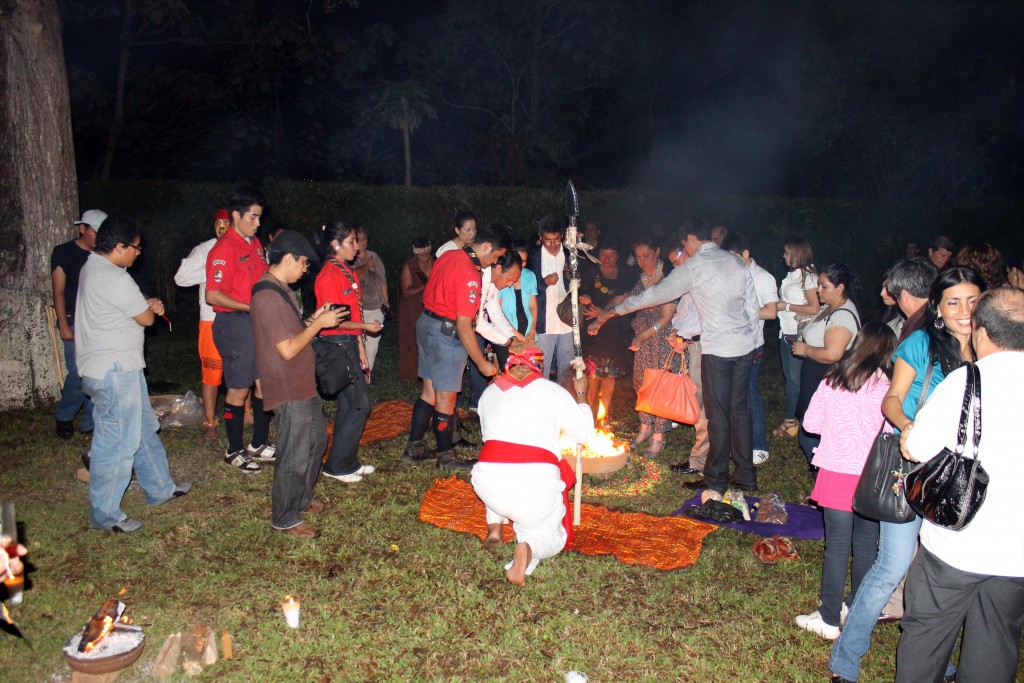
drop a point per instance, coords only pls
(856, 319)
(972, 403)
(265, 285)
(924, 387)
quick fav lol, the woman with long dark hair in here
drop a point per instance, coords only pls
(944, 344)
(798, 301)
(337, 283)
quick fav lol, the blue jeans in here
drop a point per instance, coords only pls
(896, 545)
(756, 404)
(845, 531)
(558, 350)
(791, 372)
(72, 398)
(301, 441)
(125, 437)
(726, 383)
(352, 410)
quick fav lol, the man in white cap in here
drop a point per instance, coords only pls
(66, 263)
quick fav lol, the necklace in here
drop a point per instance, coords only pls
(650, 279)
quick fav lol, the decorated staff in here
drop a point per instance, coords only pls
(572, 210)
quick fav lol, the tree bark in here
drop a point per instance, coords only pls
(38, 193)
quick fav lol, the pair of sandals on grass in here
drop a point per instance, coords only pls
(771, 550)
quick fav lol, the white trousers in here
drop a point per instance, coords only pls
(372, 341)
(530, 495)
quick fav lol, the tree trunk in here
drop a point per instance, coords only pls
(38, 193)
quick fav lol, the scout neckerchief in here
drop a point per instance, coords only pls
(354, 282)
(522, 368)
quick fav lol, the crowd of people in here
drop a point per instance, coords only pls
(495, 309)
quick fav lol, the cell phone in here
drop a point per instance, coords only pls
(791, 338)
(344, 308)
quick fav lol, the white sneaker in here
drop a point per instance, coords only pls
(265, 453)
(815, 624)
(347, 478)
(843, 613)
(366, 469)
(760, 457)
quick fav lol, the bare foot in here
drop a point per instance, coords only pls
(520, 561)
(493, 539)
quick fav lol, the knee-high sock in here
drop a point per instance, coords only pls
(456, 435)
(260, 422)
(443, 431)
(234, 420)
(421, 412)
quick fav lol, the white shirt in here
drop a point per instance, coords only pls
(686, 321)
(447, 246)
(491, 323)
(722, 289)
(993, 543)
(105, 329)
(534, 415)
(192, 271)
(553, 264)
(793, 290)
(764, 288)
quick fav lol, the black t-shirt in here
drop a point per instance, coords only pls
(70, 258)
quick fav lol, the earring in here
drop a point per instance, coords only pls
(939, 324)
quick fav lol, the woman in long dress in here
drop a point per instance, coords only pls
(412, 281)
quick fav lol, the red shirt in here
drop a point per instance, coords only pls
(234, 266)
(453, 288)
(334, 286)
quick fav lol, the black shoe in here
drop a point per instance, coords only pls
(463, 442)
(684, 468)
(836, 678)
(86, 459)
(743, 487)
(417, 451)
(449, 461)
(65, 429)
(699, 484)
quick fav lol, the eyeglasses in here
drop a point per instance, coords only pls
(136, 247)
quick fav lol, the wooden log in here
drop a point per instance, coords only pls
(166, 664)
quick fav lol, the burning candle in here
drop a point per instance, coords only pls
(290, 605)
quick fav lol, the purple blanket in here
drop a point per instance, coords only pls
(804, 521)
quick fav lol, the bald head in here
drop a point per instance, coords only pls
(999, 321)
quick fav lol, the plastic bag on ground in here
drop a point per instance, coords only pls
(772, 510)
(178, 411)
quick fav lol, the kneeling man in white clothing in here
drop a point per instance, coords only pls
(521, 475)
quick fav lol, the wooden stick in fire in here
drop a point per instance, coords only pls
(51, 324)
(572, 210)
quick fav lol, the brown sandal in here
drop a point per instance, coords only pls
(785, 547)
(767, 551)
(787, 428)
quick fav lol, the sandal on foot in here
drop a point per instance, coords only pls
(767, 551)
(657, 445)
(787, 428)
(785, 548)
(646, 432)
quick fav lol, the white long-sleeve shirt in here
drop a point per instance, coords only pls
(993, 543)
(491, 322)
(192, 271)
(534, 415)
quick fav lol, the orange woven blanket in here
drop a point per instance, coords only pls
(632, 537)
(387, 419)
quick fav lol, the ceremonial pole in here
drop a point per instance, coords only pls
(572, 210)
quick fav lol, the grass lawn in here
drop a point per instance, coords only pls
(437, 608)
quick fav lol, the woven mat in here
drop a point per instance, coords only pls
(387, 419)
(632, 537)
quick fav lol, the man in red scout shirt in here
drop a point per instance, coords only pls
(445, 337)
(521, 475)
(235, 264)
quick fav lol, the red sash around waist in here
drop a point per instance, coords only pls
(516, 453)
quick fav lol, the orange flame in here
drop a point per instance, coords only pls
(602, 445)
(108, 626)
(601, 411)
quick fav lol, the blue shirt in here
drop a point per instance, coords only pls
(914, 352)
(528, 285)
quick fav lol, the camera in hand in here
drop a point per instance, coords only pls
(344, 311)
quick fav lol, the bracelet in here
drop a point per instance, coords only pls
(655, 327)
(787, 306)
(580, 394)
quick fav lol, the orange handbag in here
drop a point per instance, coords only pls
(670, 395)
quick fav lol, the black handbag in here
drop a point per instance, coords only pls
(949, 489)
(880, 489)
(333, 367)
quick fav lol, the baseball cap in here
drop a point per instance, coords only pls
(93, 218)
(291, 242)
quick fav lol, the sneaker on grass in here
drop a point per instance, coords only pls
(760, 457)
(241, 462)
(815, 624)
(352, 478)
(265, 453)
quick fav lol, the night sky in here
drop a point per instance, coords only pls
(871, 100)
